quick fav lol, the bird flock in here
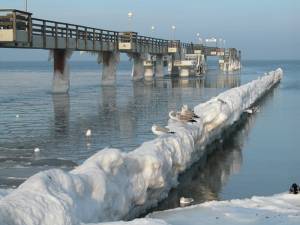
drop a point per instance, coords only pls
(186, 115)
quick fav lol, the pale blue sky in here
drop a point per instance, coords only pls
(262, 29)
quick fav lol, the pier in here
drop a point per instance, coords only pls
(18, 29)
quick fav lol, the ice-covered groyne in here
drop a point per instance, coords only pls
(112, 185)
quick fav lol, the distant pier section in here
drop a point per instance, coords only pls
(150, 55)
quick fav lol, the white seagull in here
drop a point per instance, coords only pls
(36, 149)
(181, 118)
(88, 133)
(187, 112)
(158, 130)
(252, 110)
(185, 201)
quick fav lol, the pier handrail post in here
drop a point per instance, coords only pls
(14, 26)
(94, 39)
(56, 36)
(44, 34)
(29, 29)
(67, 35)
(76, 37)
(116, 40)
(101, 40)
(85, 38)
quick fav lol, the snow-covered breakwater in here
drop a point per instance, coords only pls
(113, 185)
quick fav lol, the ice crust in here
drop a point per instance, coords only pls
(114, 185)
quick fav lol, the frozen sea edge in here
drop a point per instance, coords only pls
(114, 185)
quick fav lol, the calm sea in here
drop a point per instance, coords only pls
(261, 157)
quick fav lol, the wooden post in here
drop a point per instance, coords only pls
(76, 37)
(14, 26)
(101, 40)
(85, 39)
(67, 36)
(56, 36)
(94, 39)
(29, 30)
(44, 34)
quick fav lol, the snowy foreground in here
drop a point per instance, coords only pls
(114, 185)
(277, 209)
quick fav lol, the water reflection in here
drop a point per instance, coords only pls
(192, 82)
(223, 80)
(61, 109)
(205, 179)
(119, 116)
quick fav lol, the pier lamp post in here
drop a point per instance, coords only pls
(198, 37)
(152, 29)
(25, 5)
(173, 31)
(200, 40)
(215, 41)
(220, 43)
(130, 15)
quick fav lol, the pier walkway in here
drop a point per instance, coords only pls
(18, 29)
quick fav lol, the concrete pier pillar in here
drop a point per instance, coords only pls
(138, 67)
(110, 61)
(148, 69)
(159, 66)
(172, 70)
(61, 76)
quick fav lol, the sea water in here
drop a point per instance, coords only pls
(259, 158)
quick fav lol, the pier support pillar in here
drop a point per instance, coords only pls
(149, 69)
(138, 67)
(159, 66)
(173, 70)
(61, 75)
(109, 67)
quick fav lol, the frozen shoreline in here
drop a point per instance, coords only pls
(113, 185)
(277, 209)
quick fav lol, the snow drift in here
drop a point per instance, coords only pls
(112, 185)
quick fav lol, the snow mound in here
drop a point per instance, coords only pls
(277, 209)
(113, 185)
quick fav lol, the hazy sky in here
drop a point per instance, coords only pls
(262, 29)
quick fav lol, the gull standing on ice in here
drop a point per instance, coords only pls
(158, 130)
(187, 112)
(185, 201)
(181, 118)
(252, 110)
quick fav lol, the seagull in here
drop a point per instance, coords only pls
(185, 111)
(252, 110)
(185, 201)
(181, 118)
(158, 130)
(88, 133)
(36, 150)
(17, 116)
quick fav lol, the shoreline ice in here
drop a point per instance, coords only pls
(114, 185)
(281, 208)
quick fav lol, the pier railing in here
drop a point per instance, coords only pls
(19, 29)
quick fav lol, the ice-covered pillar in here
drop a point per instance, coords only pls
(148, 69)
(109, 61)
(159, 66)
(149, 66)
(61, 76)
(138, 67)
